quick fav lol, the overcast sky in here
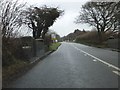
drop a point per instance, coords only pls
(65, 24)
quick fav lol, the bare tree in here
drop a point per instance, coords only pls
(117, 15)
(10, 17)
(100, 15)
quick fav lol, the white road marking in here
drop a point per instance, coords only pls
(94, 60)
(102, 61)
(116, 72)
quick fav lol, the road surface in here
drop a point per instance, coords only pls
(73, 66)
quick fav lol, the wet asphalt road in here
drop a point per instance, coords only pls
(69, 67)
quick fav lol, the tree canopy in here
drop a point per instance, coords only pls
(101, 15)
(40, 19)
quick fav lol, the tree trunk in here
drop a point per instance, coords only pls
(39, 33)
(34, 34)
(44, 32)
(99, 36)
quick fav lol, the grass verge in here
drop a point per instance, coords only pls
(54, 46)
(11, 71)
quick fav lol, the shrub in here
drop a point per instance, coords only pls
(11, 50)
(90, 36)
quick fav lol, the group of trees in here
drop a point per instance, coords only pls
(14, 15)
(104, 16)
(74, 35)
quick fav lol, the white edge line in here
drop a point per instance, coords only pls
(110, 65)
(116, 72)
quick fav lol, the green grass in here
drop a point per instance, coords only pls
(54, 46)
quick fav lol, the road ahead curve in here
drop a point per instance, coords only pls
(70, 67)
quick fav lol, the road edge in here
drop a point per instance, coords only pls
(5, 83)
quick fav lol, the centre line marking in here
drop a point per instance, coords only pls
(102, 61)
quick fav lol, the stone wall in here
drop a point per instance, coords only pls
(33, 47)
